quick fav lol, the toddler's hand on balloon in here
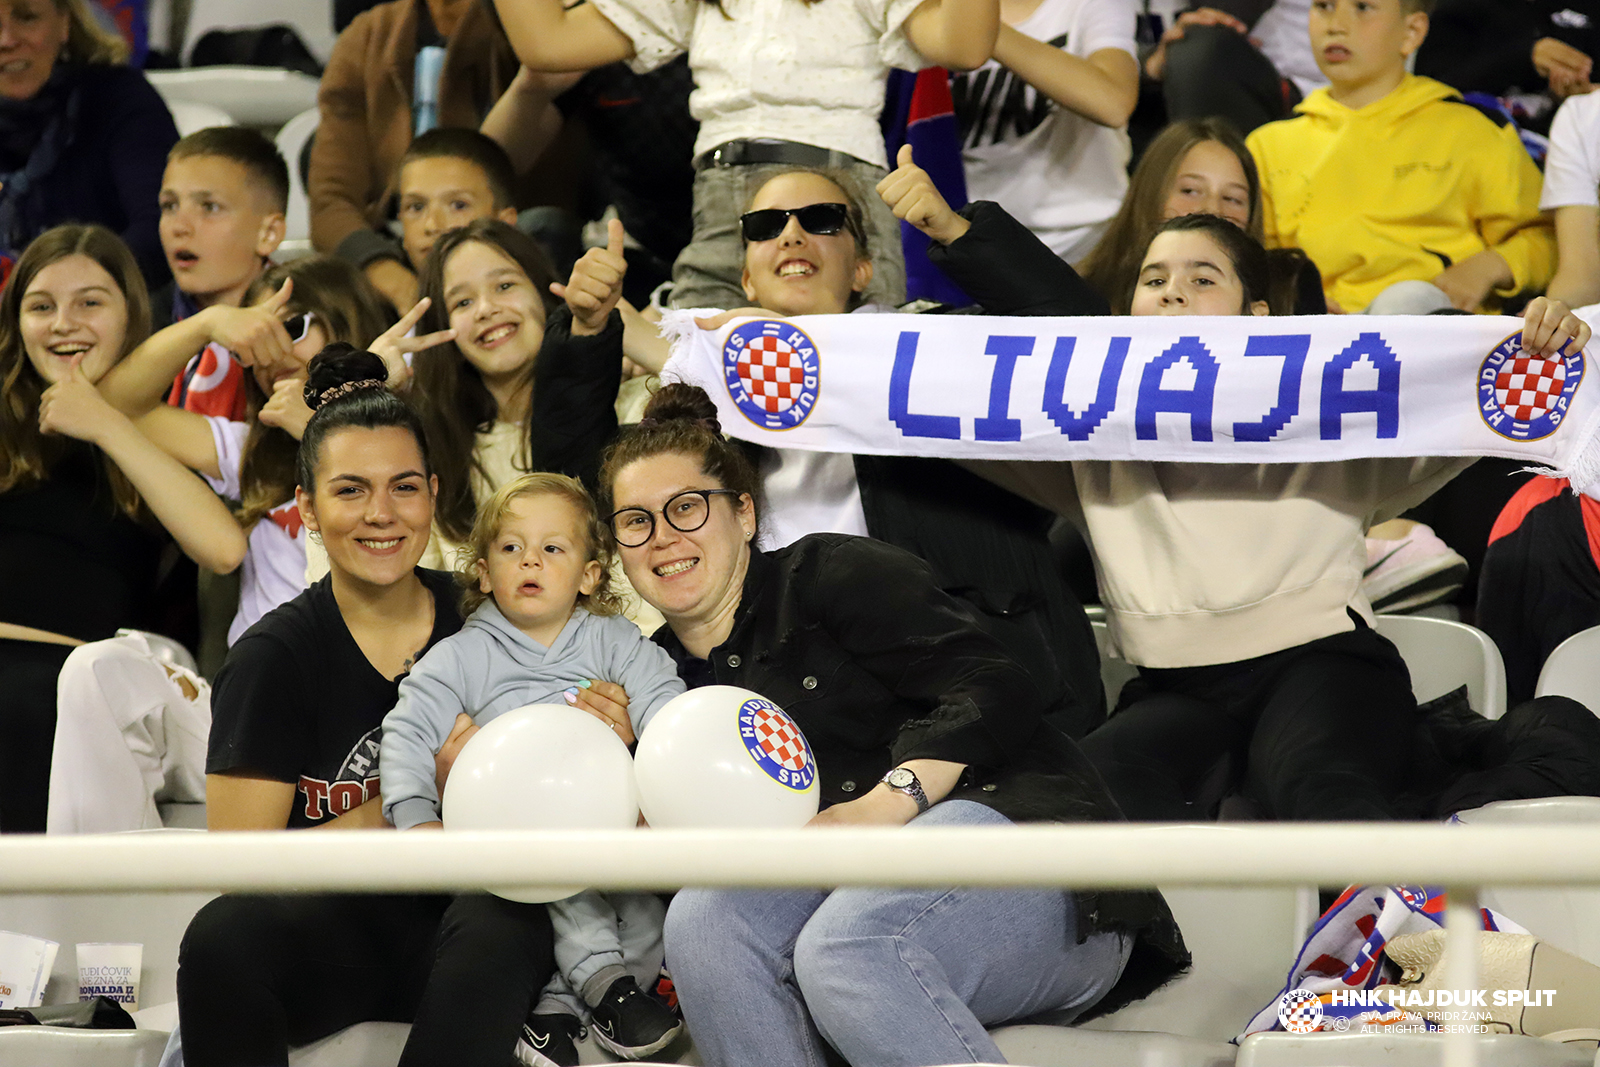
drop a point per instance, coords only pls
(607, 702)
(445, 758)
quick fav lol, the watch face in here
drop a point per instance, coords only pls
(900, 778)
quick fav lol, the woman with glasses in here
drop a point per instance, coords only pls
(109, 765)
(914, 715)
(807, 252)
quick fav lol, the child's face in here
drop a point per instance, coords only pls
(496, 313)
(440, 194)
(1364, 42)
(216, 228)
(800, 273)
(1211, 181)
(538, 564)
(73, 308)
(1188, 273)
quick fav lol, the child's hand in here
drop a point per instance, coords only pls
(912, 196)
(1469, 282)
(596, 283)
(607, 702)
(286, 407)
(1566, 68)
(255, 334)
(73, 407)
(392, 345)
(445, 758)
(1549, 327)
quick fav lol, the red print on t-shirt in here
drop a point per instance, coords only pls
(288, 517)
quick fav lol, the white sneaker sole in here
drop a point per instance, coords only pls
(639, 1051)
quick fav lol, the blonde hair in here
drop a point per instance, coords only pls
(88, 41)
(604, 600)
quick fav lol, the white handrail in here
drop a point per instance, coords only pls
(1078, 856)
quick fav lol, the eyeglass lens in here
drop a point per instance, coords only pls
(686, 513)
(298, 327)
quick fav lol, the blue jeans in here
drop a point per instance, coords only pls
(888, 977)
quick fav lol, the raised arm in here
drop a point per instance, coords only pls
(547, 36)
(1102, 88)
(957, 34)
(525, 120)
(186, 506)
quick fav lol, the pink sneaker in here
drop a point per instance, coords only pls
(1411, 573)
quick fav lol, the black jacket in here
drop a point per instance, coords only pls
(986, 546)
(877, 665)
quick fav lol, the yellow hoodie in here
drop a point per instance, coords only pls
(1400, 189)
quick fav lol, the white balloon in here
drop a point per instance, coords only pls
(721, 756)
(542, 767)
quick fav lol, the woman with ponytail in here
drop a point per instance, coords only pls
(297, 715)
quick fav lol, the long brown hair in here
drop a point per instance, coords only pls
(1112, 266)
(448, 392)
(26, 455)
(348, 308)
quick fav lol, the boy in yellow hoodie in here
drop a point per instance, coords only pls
(1384, 176)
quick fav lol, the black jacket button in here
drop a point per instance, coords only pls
(734, 661)
(810, 681)
(847, 786)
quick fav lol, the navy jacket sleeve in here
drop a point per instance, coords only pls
(139, 132)
(575, 381)
(1009, 271)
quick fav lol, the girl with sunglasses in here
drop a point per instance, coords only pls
(107, 748)
(758, 66)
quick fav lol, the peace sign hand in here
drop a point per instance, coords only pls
(393, 345)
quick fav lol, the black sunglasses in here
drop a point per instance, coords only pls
(298, 327)
(821, 219)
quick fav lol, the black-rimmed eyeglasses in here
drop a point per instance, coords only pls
(686, 512)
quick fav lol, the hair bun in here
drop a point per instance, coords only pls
(680, 402)
(339, 369)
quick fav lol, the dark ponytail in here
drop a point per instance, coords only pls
(344, 388)
(681, 419)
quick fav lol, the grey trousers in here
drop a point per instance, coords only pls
(599, 938)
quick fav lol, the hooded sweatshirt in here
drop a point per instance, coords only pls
(491, 667)
(1400, 189)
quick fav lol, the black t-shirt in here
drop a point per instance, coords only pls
(71, 561)
(298, 701)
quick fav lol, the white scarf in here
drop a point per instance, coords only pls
(1196, 389)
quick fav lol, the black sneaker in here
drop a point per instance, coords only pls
(546, 1040)
(631, 1024)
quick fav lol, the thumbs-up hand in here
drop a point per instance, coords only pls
(73, 407)
(912, 196)
(255, 334)
(596, 283)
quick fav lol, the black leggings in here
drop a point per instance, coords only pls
(28, 671)
(1321, 731)
(257, 974)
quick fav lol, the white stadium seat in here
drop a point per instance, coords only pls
(1573, 670)
(191, 115)
(1444, 655)
(254, 96)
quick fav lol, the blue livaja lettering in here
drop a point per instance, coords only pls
(1383, 401)
(998, 425)
(1292, 349)
(911, 423)
(1195, 402)
(1079, 427)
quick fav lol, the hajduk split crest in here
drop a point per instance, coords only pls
(771, 370)
(775, 742)
(1524, 397)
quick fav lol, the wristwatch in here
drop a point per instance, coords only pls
(905, 781)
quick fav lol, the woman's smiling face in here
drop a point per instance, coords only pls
(495, 310)
(73, 308)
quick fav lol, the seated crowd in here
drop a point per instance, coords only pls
(439, 459)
